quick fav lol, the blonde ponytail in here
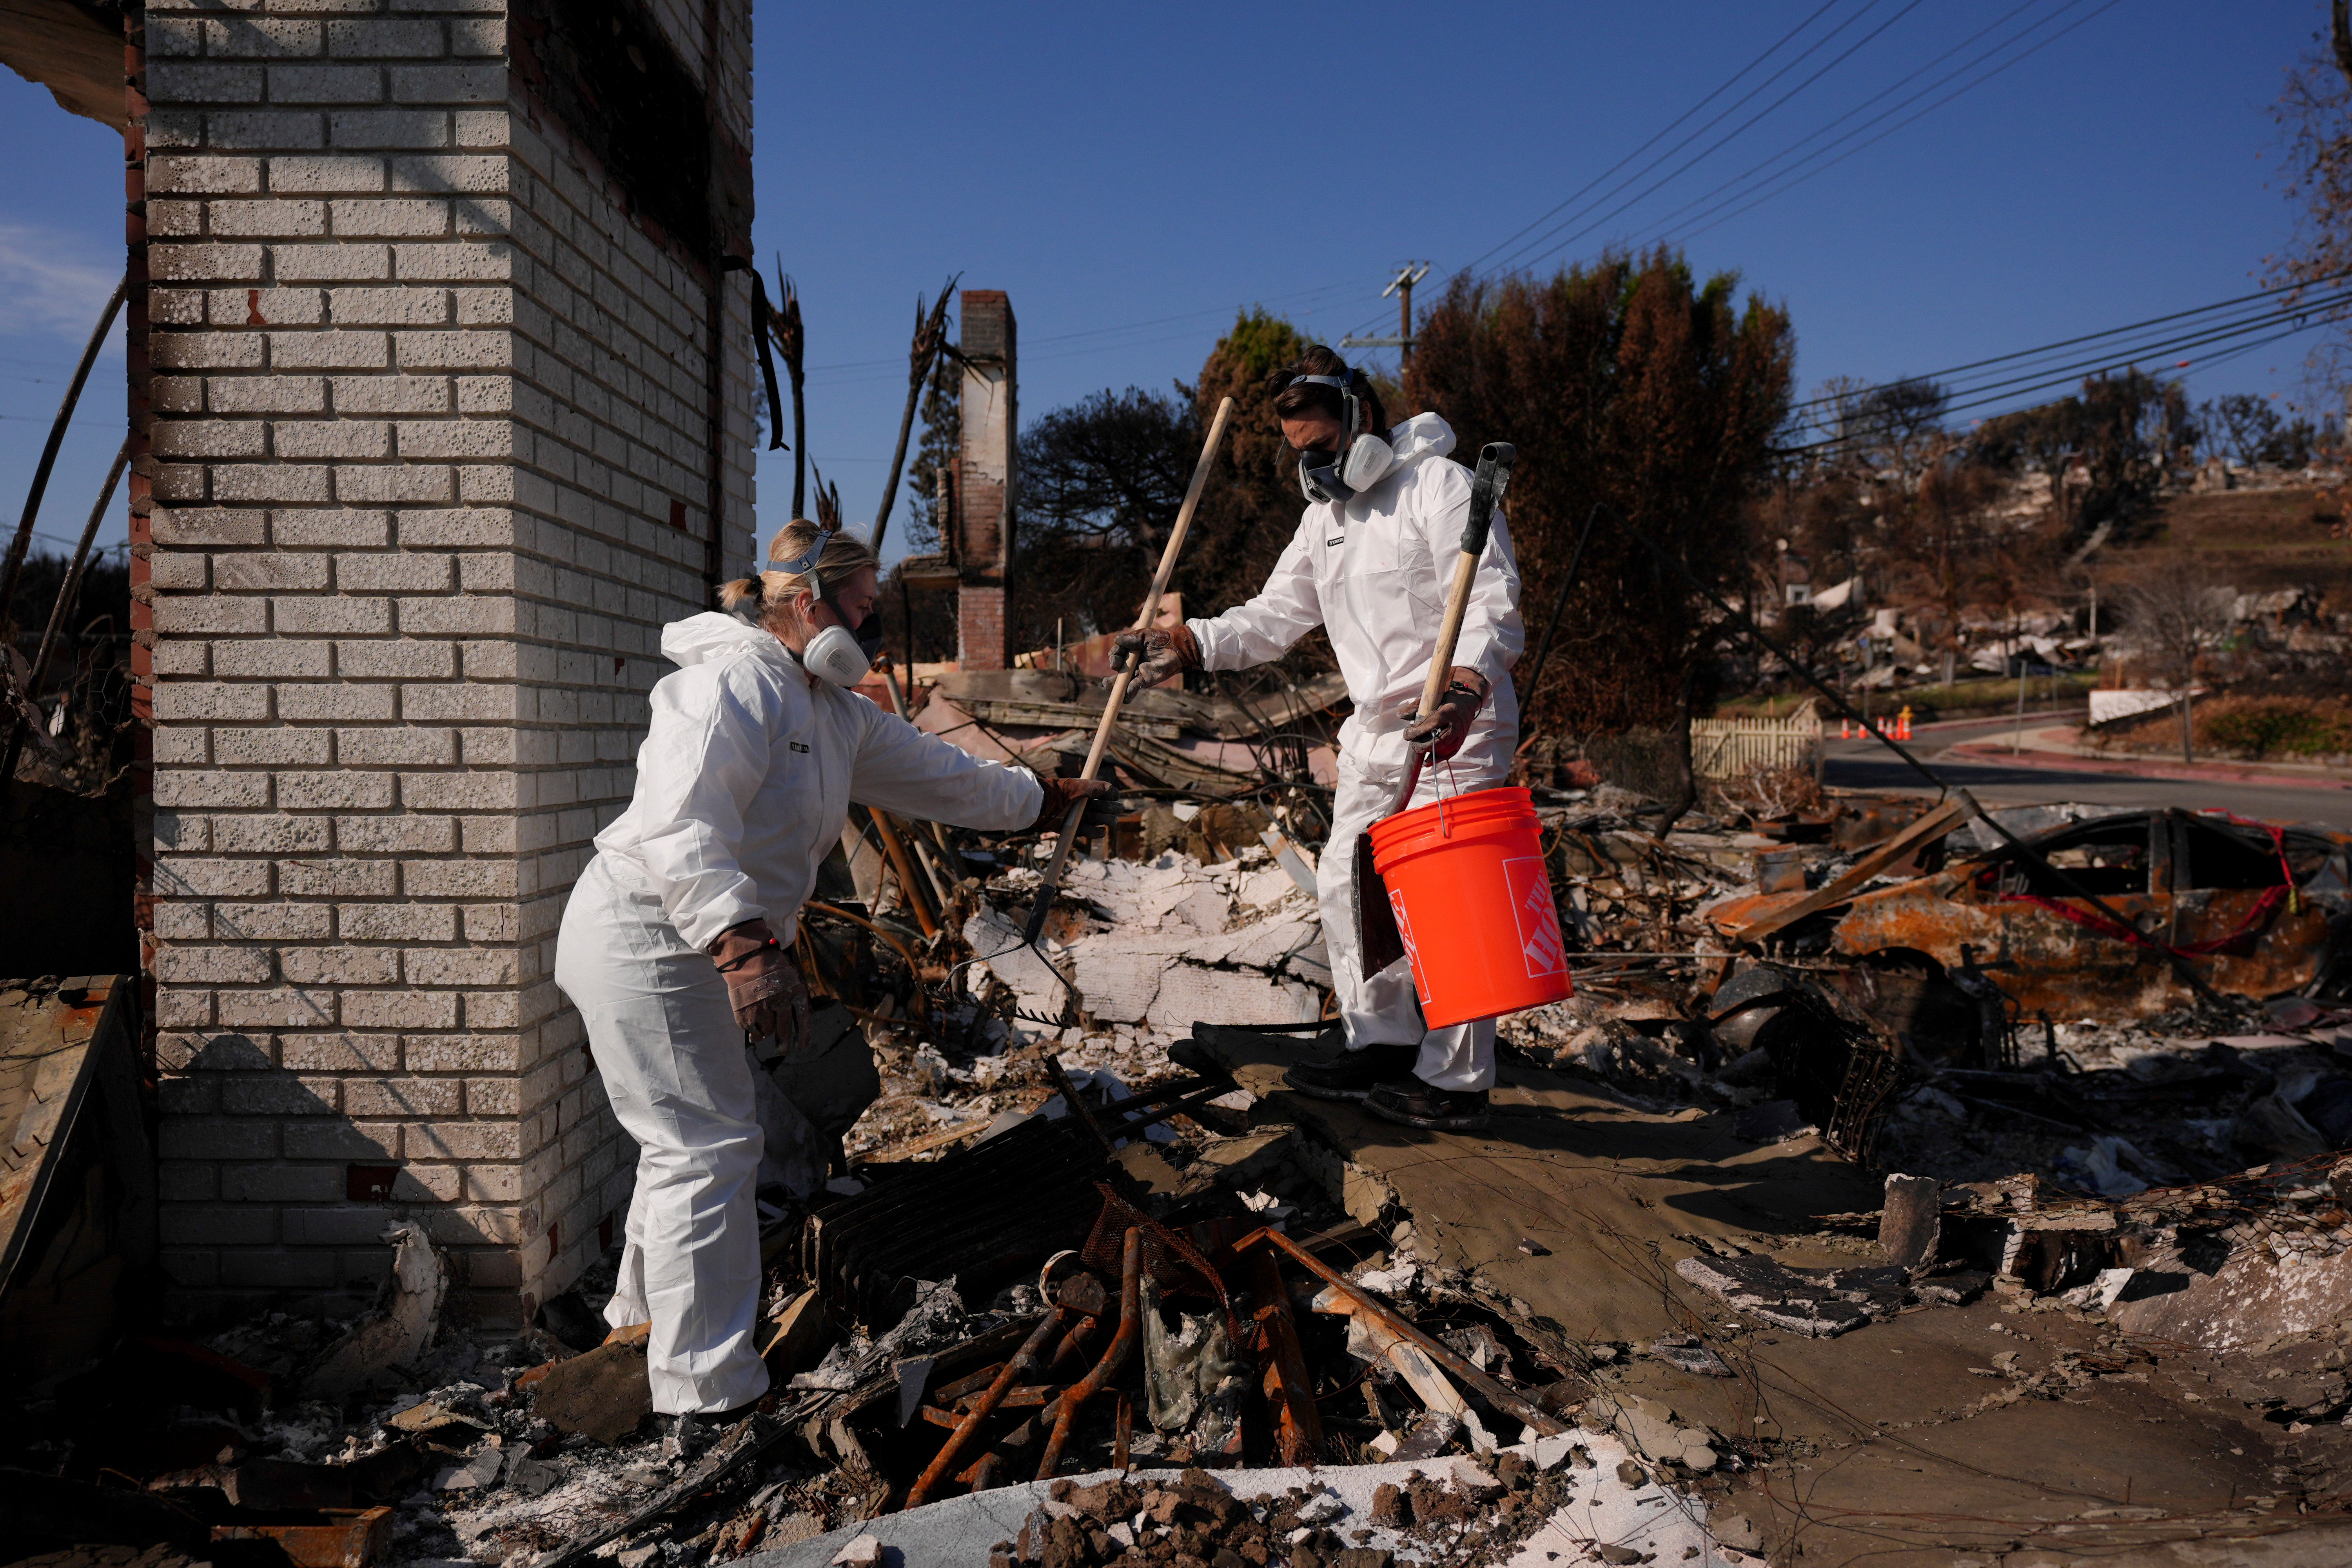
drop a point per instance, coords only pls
(765, 595)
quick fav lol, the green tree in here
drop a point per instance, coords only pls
(1631, 383)
(2121, 428)
(1101, 482)
(1250, 506)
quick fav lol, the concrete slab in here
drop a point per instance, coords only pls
(1903, 1442)
(2253, 1299)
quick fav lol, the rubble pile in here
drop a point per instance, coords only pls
(1062, 1252)
(1491, 1511)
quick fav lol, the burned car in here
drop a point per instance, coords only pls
(2255, 910)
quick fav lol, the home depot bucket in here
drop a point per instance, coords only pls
(1465, 877)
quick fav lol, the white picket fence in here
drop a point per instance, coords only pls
(1726, 748)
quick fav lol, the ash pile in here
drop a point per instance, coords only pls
(1061, 1273)
(1931, 1000)
(1208, 1372)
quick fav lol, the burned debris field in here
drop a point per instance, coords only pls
(1785, 1234)
(647, 925)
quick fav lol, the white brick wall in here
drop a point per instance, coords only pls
(421, 401)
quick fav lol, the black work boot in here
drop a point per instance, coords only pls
(1351, 1075)
(1418, 1104)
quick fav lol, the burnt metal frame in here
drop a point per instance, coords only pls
(1968, 802)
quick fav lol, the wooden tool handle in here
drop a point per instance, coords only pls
(1449, 633)
(1160, 583)
(1485, 489)
(1151, 612)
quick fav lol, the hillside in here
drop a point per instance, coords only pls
(2256, 540)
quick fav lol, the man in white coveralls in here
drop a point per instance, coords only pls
(1371, 563)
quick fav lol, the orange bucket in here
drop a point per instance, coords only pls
(1472, 901)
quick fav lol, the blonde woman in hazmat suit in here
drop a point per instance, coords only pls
(1370, 564)
(676, 943)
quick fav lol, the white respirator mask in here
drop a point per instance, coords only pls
(837, 654)
(1357, 466)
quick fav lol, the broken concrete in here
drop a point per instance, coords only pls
(1641, 1516)
(400, 1330)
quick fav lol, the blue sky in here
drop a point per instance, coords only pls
(1132, 175)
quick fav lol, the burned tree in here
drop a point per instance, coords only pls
(1634, 385)
(2315, 120)
(2175, 616)
(2120, 430)
(930, 341)
(931, 478)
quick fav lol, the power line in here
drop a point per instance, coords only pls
(1028, 358)
(2198, 367)
(1986, 397)
(1896, 86)
(2202, 337)
(1662, 133)
(2009, 392)
(1779, 182)
(2048, 377)
(1669, 128)
(2109, 333)
(1719, 144)
(899, 363)
(1970, 86)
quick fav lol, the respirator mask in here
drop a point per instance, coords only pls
(837, 654)
(840, 655)
(1361, 460)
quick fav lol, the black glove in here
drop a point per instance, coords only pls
(1442, 732)
(1168, 652)
(1102, 808)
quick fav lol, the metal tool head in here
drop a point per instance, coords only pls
(1486, 486)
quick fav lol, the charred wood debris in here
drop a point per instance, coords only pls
(1044, 1246)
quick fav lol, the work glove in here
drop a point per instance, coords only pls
(763, 984)
(1441, 731)
(1102, 811)
(1168, 652)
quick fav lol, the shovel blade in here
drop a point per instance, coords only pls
(1377, 937)
(1378, 940)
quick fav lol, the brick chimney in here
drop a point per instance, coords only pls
(987, 493)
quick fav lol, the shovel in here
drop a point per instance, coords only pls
(1377, 937)
(1045, 890)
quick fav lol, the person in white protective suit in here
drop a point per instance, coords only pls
(676, 941)
(1371, 563)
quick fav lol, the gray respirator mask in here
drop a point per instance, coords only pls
(1363, 459)
(839, 654)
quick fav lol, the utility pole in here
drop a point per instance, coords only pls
(1408, 274)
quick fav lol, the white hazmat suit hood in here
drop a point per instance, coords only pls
(744, 781)
(699, 639)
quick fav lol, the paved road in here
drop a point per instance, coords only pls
(1866, 765)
